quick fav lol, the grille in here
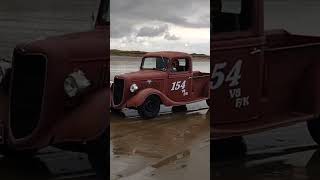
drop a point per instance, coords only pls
(27, 88)
(118, 91)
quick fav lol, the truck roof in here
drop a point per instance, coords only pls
(168, 54)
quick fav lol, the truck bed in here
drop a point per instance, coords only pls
(278, 39)
(290, 73)
(200, 88)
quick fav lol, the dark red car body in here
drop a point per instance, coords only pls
(35, 111)
(159, 83)
(273, 75)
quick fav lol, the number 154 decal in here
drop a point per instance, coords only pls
(178, 85)
(219, 76)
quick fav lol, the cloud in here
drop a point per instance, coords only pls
(157, 20)
(186, 13)
(170, 37)
(152, 31)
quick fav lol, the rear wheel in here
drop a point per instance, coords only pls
(230, 148)
(314, 129)
(181, 108)
(150, 107)
(115, 111)
(208, 101)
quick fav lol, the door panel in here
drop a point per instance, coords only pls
(235, 78)
(179, 86)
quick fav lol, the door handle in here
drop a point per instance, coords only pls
(255, 51)
(189, 77)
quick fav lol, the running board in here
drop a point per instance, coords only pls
(258, 125)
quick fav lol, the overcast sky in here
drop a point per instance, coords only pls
(153, 25)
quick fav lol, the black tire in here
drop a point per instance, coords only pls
(98, 155)
(12, 153)
(208, 101)
(230, 148)
(314, 129)
(150, 107)
(115, 111)
(179, 108)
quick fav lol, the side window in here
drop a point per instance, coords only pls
(231, 15)
(180, 65)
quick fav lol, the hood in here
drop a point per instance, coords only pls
(75, 46)
(143, 75)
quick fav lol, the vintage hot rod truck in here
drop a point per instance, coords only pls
(260, 79)
(56, 92)
(164, 78)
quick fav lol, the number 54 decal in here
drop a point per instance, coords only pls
(233, 76)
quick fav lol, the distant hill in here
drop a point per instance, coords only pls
(116, 52)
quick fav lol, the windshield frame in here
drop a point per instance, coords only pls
(104, 9)
(165, 60)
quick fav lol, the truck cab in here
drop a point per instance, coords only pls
(164, 78)
(261, 79)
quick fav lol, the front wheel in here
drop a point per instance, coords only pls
(314, 129)
(150, 107)
(98, 155)
(13, 153)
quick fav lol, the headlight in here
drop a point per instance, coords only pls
(76, 82)
(134, 88)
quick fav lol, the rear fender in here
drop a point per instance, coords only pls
(309, 91)
(141, 96)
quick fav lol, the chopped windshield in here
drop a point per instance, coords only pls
(155, 63)
(104, 16)
(231, 15)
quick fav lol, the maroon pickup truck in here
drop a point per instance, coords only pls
(164, 78)
(260, 79)
(55, 92)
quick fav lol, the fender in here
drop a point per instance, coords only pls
(85, 122)
(141, 96)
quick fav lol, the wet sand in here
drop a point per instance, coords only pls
(49, 163)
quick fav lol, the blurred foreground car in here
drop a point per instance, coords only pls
(56, 92)
(260, 79)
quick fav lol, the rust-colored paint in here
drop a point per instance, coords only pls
(88, 116)
(279, 81)
(156, 82)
